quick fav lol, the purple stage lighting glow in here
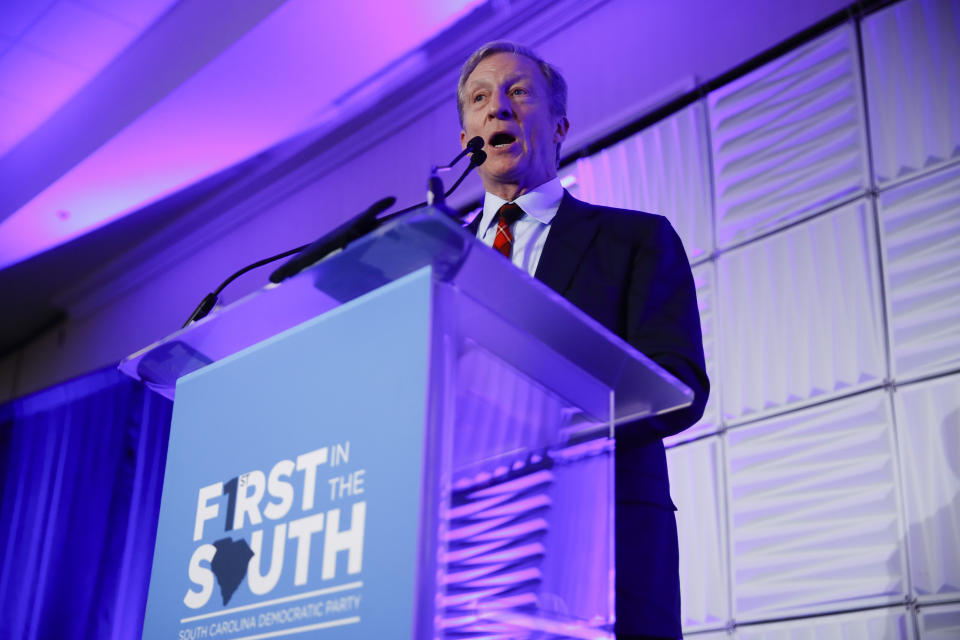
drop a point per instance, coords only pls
(272, 83)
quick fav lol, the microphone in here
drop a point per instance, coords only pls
(307, 254)
(473, 145)
(331, 241)
(303, 254)
(210, 300)
(478, 158)
(434, 192)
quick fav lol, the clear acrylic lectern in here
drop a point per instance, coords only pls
(412, 438)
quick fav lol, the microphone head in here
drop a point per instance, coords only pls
(475, 144)
(380, 206)
(478, 158)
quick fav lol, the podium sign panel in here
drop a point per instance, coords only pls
(292, 493)
(411, 439)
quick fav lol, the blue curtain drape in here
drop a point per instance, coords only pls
(81, 472)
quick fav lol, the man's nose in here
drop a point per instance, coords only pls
(499, 107)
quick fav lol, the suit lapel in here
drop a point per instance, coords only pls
(571, 233)
(474, 224)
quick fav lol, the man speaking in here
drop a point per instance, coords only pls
(626, 269)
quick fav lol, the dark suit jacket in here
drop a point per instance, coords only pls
(628, 270)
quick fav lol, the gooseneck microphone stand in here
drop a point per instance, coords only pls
(355, 228)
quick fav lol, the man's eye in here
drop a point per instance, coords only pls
(478, 97)
(519, 91)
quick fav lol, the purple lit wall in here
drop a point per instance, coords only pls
(819, 201)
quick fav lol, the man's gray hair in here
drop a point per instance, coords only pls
(555, 82)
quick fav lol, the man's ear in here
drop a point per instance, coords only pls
(463, 139)
(560, 133)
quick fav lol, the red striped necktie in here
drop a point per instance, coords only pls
(508, 214)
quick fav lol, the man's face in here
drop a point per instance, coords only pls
(507, 103)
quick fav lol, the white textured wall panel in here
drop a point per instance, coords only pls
(928, 426)
(704, 277)
(789, 138)
(940, 623)
(814, 512)
(696, 484)
(663, 169)
(911, 56)
(920, 226)
(800, 314)
(885, 624)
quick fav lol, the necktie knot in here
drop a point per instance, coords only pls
(506, 216)
(511, 212)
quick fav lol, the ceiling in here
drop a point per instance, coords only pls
(49, 50)
(111, 107)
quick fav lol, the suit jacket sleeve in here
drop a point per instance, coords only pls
(663, 322)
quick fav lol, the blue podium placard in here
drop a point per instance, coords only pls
(292, 496)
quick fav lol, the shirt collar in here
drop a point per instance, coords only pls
(541, 204)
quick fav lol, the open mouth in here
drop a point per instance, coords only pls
(500, 140)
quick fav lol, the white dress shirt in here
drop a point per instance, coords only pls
(530, 231)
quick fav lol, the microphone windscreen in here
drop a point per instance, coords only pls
(380, 206)
(478, 158)
(475, 144)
